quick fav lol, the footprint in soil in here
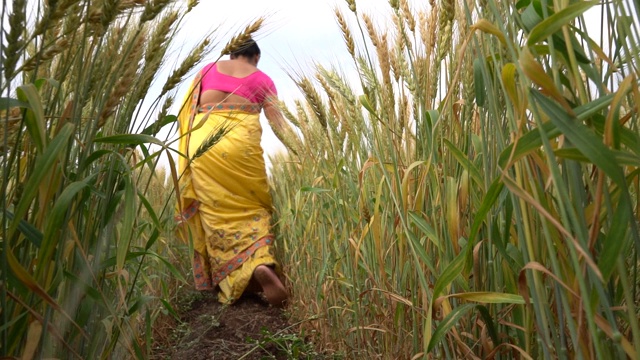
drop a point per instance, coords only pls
(210, 330)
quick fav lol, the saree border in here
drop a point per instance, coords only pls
(188, 213)
(248, 107)
(239, 259)
(205, 282)
(193, 111)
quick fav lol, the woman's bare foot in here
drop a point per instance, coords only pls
(272, 287)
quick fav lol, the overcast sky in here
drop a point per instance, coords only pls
(295, 34)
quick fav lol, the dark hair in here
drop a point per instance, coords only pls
(248, 49)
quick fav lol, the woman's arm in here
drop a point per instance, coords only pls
(281, 128)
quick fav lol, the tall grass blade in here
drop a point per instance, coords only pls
(447, 323)
(586, 141)
(555, 22)
(34, 118)
(43, 164)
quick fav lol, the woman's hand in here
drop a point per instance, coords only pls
(281, 128)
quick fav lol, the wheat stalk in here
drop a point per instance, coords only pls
(346, 33)
(288, 114)
(404, 114)
(431, 53)
(110, 10)
(60, 8)
(303, 120)
(104, 64)
(400, 35)
(421, 66)
(152, 9)
(129, 4)
(383, 57)
(237, 42)
(394, 61)
(42, 57)
(337, 83)
(433, 31)
(325, 86)
(423, 28)
(408, 14)
(314, 100)
(371, 30)
(331, 95)
(288, 139)
(352, 5)
(178, 74)
(214, 137)
(468, 84)
(368, 77)
(160, 37)
(15, 38)
(162, 115)
(411, 79)
(123, 86)
(445, 28)
(12, 119)
(53, 12)
(155, 52)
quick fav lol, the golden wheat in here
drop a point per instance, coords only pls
(124, 84)
(155, 52)
(241, 39)
(423, 28)
(352, 5)
(371, 30)
(408, 15)
(45, 55)
(385, 67)
(337, 82)
(189, 62)
(394, 61)
(314, 100)
(346, 33)
(287, 114)
(160, 36)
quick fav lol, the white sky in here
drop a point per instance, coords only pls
(296, 33)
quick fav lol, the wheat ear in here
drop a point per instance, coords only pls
(241, 39)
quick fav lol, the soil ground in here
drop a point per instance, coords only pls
(249, 329)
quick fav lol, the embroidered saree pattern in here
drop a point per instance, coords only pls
(224, 205)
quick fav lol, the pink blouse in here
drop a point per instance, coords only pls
(254, 87)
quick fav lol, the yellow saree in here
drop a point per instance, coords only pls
(224, 204)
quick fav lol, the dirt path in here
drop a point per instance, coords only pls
(249, 329)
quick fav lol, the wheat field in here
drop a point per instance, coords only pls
(479, 197)
(474, 194)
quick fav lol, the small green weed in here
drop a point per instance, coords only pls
(186, 298)
(286, 346)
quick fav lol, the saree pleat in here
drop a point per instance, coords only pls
(224, 205)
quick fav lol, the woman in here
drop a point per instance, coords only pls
(224, 203)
